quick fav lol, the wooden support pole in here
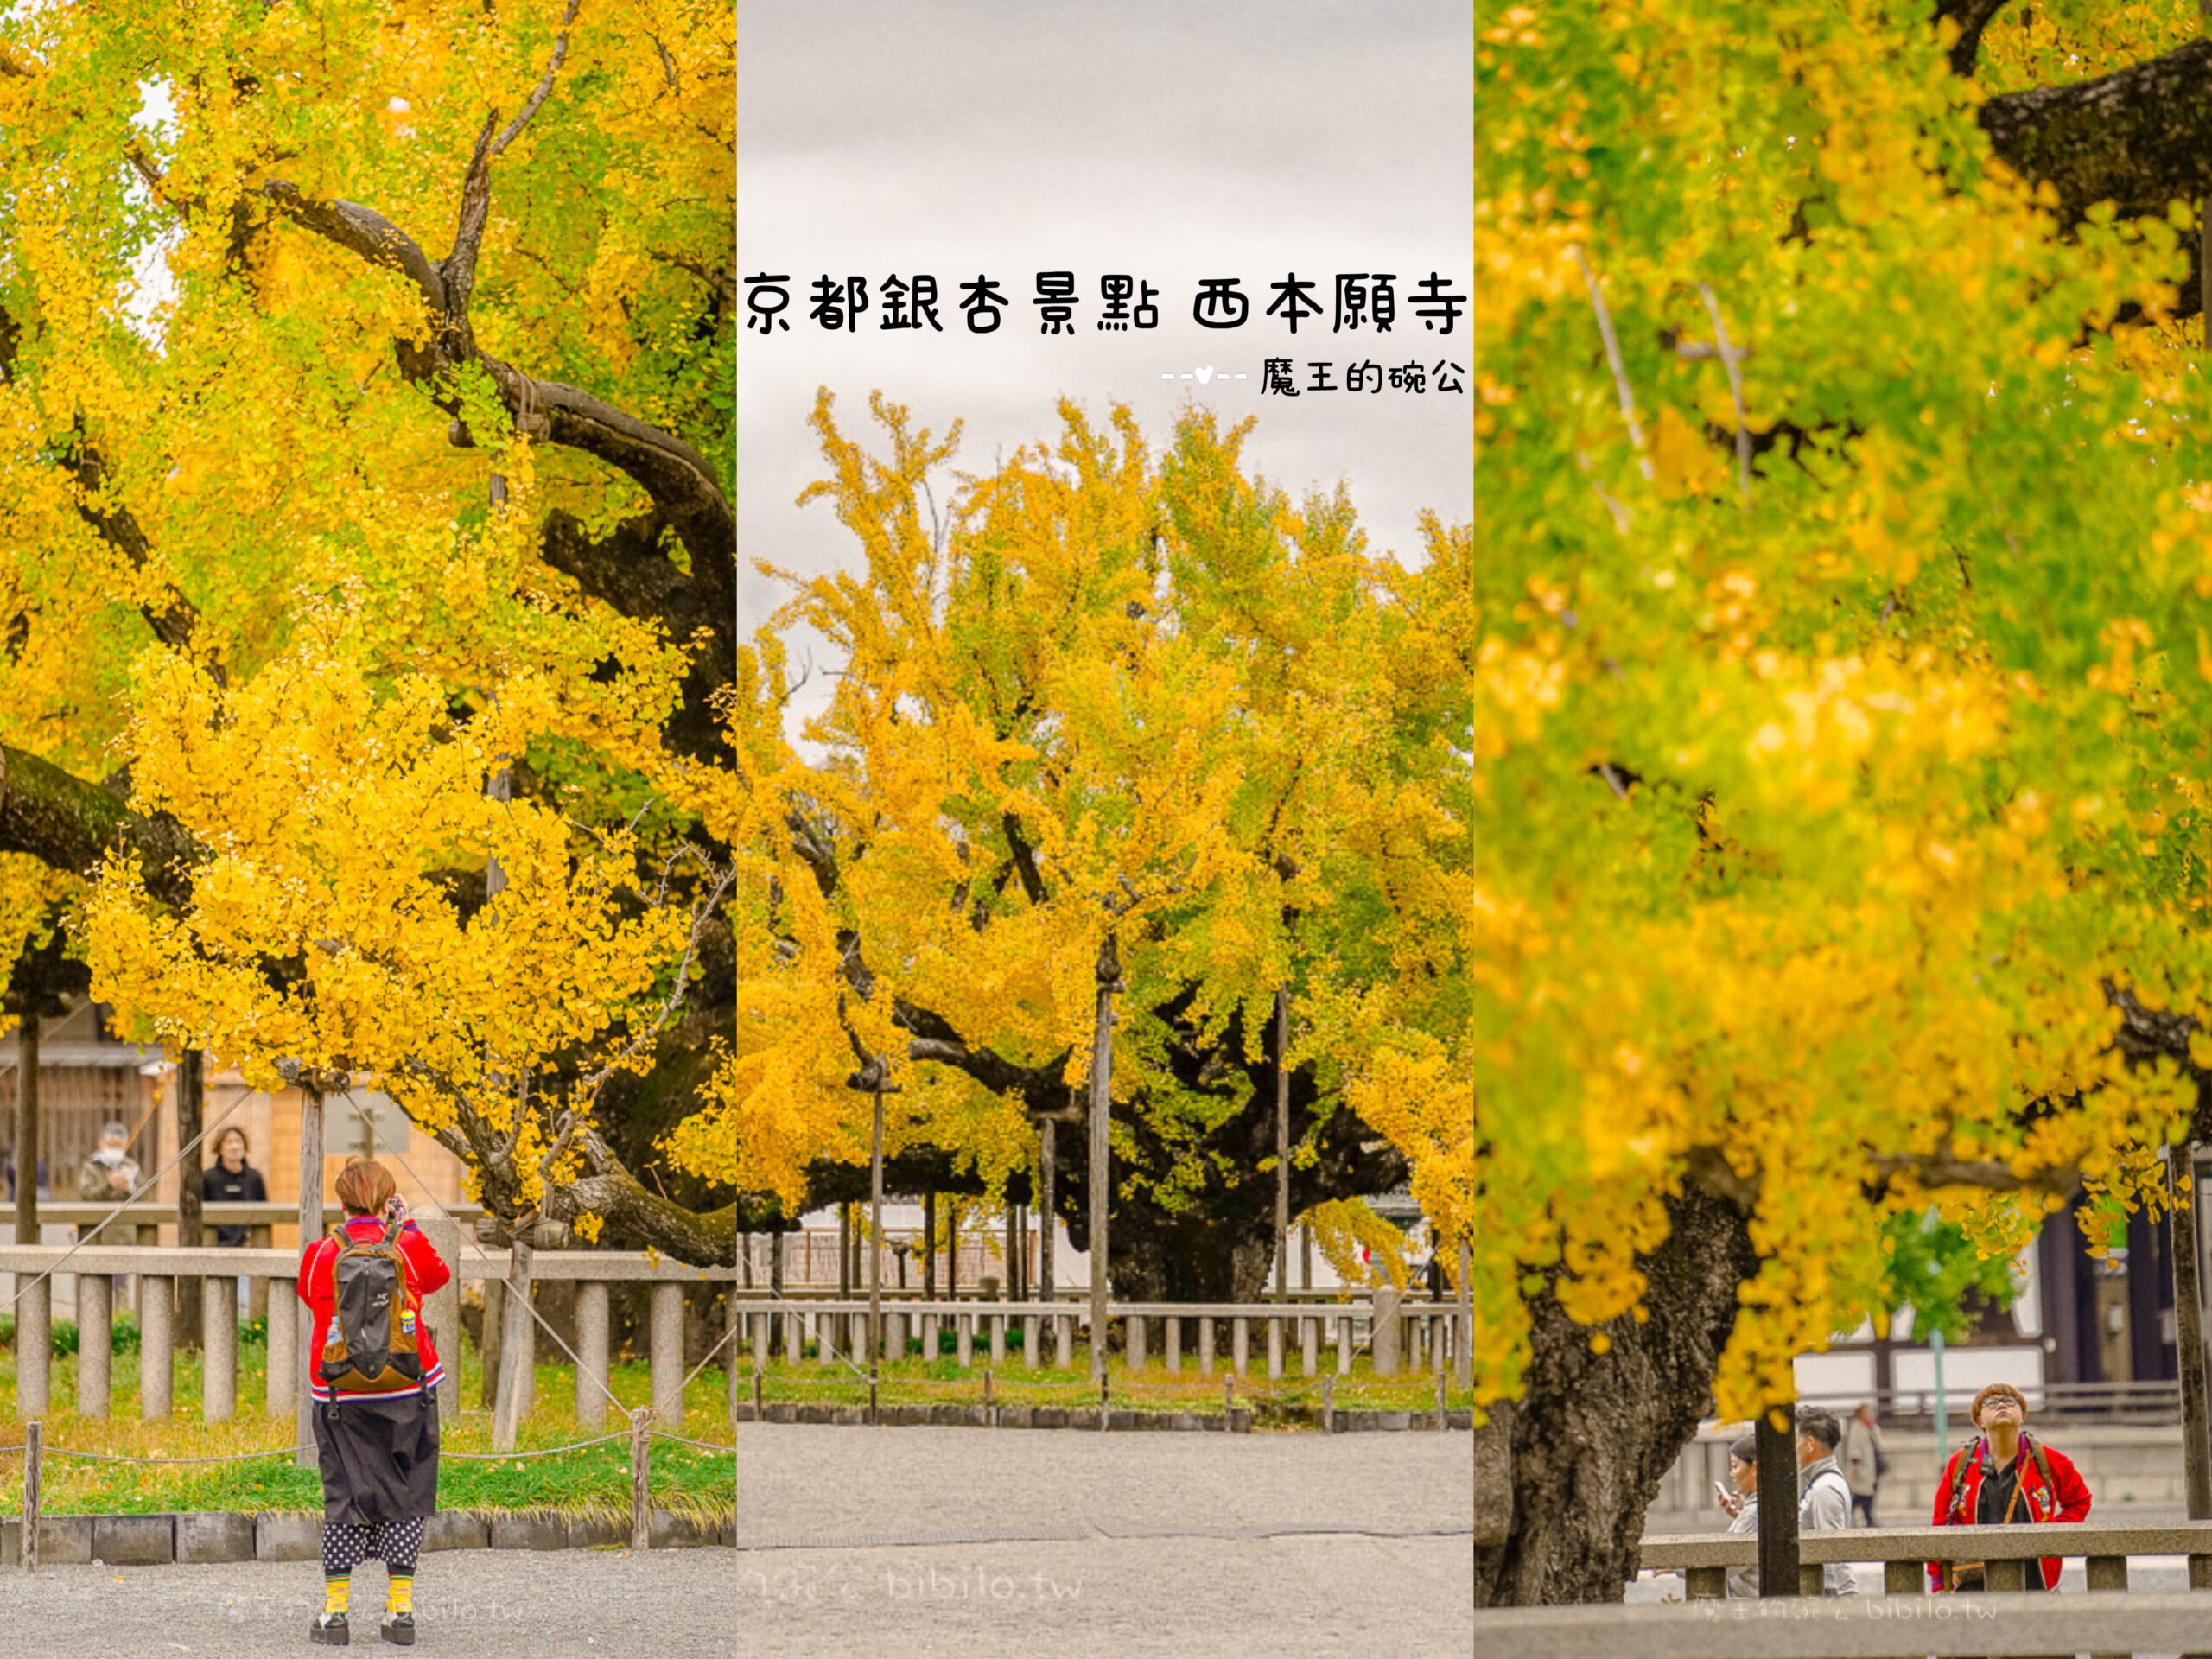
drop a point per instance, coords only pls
(191, 1095)
(1045, 1173)
(1464, 1350)
(1282, 1145)
(1109, 975)
(517, 1346)
(641, 1519)
(311, 1126)
(2188, 1333)
(776, 1286)
(876, 1232)
(1777, 1466)
(928, 1246)
(34, 1451)
(27, 1147)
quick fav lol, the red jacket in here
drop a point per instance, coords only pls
(426, 1272)
(2064, 1497)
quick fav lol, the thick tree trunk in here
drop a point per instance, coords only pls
(1592, 1434)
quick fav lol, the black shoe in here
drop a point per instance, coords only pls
(399, 1629)
(329, 1631)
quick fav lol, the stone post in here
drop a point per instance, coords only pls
(668, 1355)
(1386, 1346)
(441, 1307)
(591, 1349)
(95, 1339)
(157, 1350)
(219, 1349)
(286, 1314)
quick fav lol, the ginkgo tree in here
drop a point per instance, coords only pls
(367, 606)
(1840, 688)
(1105, 716)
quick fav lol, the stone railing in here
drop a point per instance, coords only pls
(145, 1219)
(1904, 1622)
(158, 1270)
(1399, 1335)
(1705, 1560)
(1850, 1627)
(145, 1212)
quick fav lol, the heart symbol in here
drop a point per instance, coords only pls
(1205, 374)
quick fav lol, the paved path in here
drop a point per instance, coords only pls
(470, 1603)
(960, 1541)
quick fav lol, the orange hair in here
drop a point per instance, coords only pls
(363, 1187)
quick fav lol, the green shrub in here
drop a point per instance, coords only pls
(122, 1335)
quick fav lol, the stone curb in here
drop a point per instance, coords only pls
(1120, 1420)
(274, 1535)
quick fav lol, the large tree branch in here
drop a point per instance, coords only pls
(626, 570)
(708, 1238)
(362, 232)
(70, 824)
(173, 620)
(2139, 138)
(1971, 16)
(683, 485)
(1941, 1169)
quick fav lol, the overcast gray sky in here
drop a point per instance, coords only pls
(1245, 137)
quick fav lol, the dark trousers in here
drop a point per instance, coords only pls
(1862, 1509)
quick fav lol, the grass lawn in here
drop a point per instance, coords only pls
(597, 1480)
(1284, 1403)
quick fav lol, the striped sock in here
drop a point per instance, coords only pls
(336, 1588)
(401, 1596)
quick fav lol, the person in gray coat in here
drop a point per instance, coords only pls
(1824, 1503)
(1742, 1504)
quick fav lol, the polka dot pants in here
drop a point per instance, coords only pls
(394, 1543)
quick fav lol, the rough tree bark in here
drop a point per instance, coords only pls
(1593, 1434)
(2141, 137)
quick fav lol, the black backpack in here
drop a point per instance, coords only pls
(372, 1347)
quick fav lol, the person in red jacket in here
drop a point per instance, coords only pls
(376, 1437)
(2005, 1476)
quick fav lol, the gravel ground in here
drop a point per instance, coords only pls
(926, 1541)
(555, 1605)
